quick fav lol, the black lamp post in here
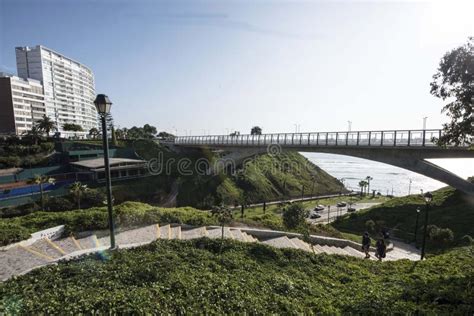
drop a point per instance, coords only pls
(103, 105)
(416, 223)
(428, 198)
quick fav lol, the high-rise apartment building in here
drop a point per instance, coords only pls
(68, 87)
(21, 103)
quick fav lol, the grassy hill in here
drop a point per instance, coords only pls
(197, 277)
(450, 209)
(264, 178)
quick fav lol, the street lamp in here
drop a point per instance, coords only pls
(428, 198)
(103, 105)
(416, 223)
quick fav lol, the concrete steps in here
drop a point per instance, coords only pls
(280, 242)
(19, 259)
(301, 244)
(175, 232)
(89, 242)
(194, 233)
(68, 245)
(48, 248)
(165, 232)
(24, 257)
(217, 233)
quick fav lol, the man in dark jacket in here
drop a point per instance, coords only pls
(366, 244)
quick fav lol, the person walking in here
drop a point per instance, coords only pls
(381, 248)
(366, 244)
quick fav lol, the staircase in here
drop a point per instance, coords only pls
(23, 257)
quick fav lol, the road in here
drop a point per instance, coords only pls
(311, 198)
(335, 211)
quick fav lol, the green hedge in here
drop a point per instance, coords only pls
(206, 277)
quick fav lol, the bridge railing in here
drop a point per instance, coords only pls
(402, 138)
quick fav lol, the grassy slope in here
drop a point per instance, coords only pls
(450, 209)
(193, 277)
(264, 178)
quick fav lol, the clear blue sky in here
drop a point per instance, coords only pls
(214, 66)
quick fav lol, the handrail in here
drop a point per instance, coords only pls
(384, 138)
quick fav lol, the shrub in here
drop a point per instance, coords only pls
(370, 226)
(10, 232)
(294, 216)
(59, 204)
(440, 237)
(467, 240)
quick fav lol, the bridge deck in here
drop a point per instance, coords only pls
(395, 138)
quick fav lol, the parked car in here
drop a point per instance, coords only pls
(314, 215)
(319, 208)
(351, 209)
(341, 204)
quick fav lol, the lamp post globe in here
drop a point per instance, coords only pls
(103, 105)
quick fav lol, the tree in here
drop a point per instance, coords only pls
(34, 134)
(368, 179)
(71, 127)
(94, 133)
(223, 215)
(40, 180)
(454, 81)
(256, 131)
(45, 125)
(294, 216)
(149, 131)
(165, 135)
(362, 185)
(77, 189)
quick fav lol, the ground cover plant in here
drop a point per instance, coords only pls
(207, 277)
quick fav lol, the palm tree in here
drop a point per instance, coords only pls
(368, 178)
(77, 189)
(40, 180)
(223, 215)
(362, 185)
(45, 125)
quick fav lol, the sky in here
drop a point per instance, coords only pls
(211, 67)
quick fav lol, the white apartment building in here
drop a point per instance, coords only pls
(68, 87)
(21, 104)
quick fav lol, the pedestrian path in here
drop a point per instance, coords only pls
(21, 258)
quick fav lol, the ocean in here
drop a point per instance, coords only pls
(387, 179)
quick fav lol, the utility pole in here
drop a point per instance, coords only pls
(349, 126)
(424, 122)
(329, 211)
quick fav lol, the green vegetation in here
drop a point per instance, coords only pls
(72, 127)
(24, 153)
(450, 209)
(294, 216)
(205, 276)
(264, 178)
(453, 83)
(128, 214)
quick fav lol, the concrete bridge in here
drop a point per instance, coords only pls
(406, 149)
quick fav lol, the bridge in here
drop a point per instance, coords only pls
(406, 149)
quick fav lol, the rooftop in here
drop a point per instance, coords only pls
(99, 162)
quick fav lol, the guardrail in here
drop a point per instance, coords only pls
(394, 138)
